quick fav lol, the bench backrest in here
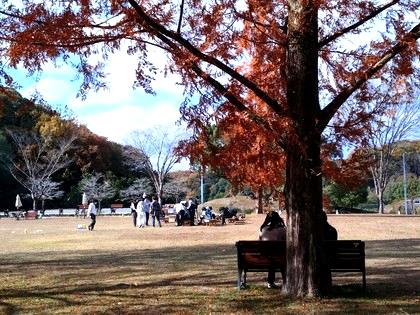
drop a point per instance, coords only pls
(261, 254)
(343, 255)
(346, 255)
(116, 205)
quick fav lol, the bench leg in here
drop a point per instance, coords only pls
(364, 280)
(239, 278)
(283, 277)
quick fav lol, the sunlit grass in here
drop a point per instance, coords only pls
(50, 267)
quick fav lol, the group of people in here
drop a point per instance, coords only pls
(274, 229)
(207, 214)
(142, 209)
(185, 211)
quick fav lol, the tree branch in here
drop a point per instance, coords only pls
(159, 29)
(181, 13)
(333, 37)
(329, 111)
(233, 99)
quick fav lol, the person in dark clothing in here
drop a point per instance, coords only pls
(330, 233)
(134, 213)
(155, 211)
(227, 213)
(192, 207)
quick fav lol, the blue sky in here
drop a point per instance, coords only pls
(115, 112)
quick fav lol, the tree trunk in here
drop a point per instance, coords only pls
(307, 273)
(381, 203)
(260, 201)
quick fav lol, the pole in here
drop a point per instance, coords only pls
(202, 185)
(405, 185)
(202, 170)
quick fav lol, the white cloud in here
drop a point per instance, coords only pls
(54, 91)
(115, 112)
(118, 123)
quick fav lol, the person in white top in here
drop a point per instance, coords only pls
(273, 229)
(92, 214)
(181, 212)
(141, 220)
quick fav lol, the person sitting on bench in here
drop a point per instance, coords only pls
(273, 229)
(330, 233)
(207, 214)
(227, 213)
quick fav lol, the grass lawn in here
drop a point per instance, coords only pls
(48, 266)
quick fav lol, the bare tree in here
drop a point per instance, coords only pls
(47, 190)
(37, 159)
(137, 189)
(176, 188)
(154, 153)
(96, 186)
(397, 124)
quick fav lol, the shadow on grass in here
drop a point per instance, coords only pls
(194, 280)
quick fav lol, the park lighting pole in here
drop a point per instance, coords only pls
(405, 185)
(202, 185)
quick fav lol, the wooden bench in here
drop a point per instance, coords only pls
(115, 206)
(261, 256)
(170, 218)
(31, 215)
(212, 222)
(347, 256)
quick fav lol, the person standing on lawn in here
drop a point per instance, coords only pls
(155, 211)
(146, 208)
(192, 207)
(134, 211)
(92, 214)
(141, 214)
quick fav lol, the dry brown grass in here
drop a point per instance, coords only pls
(49, 267)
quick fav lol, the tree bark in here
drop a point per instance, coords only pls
(260, 201)
(307, 273)
(381, 203)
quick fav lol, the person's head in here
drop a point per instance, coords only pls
(155, 198)
(272, 220)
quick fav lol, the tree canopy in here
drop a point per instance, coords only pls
(305, 72)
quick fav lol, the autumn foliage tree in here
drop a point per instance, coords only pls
(246, 156)
(313, 65)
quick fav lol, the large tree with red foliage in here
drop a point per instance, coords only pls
(312, 64)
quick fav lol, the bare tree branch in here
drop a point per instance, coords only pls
(164, 34)
(155, 154)
(37, 160)
(367, 18)
(329, 111)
